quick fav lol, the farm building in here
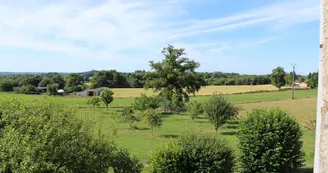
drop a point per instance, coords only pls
(303, 85)
(90, 92)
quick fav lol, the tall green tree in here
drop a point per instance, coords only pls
(313, 80)
(278, 77)
(175, 75)
(73, 80)
(107, 96)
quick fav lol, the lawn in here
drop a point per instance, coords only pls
(253, 97)
(141, 142)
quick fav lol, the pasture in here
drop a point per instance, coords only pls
(141, 142)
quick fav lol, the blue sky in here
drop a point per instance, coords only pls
(244, 36)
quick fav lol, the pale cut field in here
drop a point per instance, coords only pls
(208, 90)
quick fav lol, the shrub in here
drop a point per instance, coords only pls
(52, 89)
(124, 162)
(144, 102)
(195, 108)
(28, 88)
(218, 110)
(94, 101)
(270, 141)
(193, 153)
(42, 136)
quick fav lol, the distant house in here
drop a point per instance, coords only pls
(90, 92)
(303, 85)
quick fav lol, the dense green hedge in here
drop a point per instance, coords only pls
(270, 141)
(193, 153)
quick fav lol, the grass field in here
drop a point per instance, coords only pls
(140, 142)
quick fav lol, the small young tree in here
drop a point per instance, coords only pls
(94, 101)
(107, 96)
(194, 109)
(127, 116)
(270, 141)
(218, 110)
(153, 119)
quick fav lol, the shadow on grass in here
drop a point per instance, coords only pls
(169, 136)
(201, 118)
(229, 133)
(232, 127)
(200, 121)
(233, 122)
(306, 170)
(140, 128)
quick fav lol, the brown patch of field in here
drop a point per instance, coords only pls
(208, 90)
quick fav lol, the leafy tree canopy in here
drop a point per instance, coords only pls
(278, 77)
(174, 75)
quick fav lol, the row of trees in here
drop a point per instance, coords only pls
(280, 78)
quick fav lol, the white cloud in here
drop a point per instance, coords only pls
(118, 25)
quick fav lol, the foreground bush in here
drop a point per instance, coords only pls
(270, 141)
(193, 153)
(44, 137)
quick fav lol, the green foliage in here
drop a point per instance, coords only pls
(175, 75)
(110, 78)
(94, 101)
(42, 136)
(74, 82)
(30, 80)
(136, 79)
(124, 162)
(7, 85)
(128, 116)
(52, 78)
(193, 153)
(313, 79)
(52, 89)
(145, 102)
(195, 108)
(270, 141)
(218, 110)
(153, 119)
(278, 77)
(107, 96)
(28, 88)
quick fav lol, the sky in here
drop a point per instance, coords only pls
(243, 36)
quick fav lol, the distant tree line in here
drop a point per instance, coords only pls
(114, 79)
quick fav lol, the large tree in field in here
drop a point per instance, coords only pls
(174, 77)
(278, 77)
